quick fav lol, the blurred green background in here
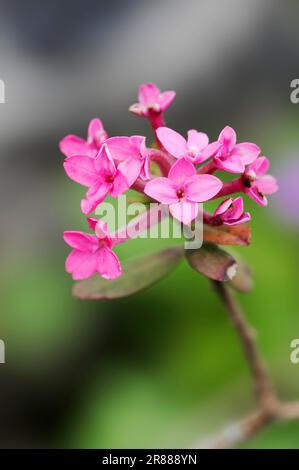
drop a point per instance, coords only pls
(163, 368)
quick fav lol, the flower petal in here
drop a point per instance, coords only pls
(233, 164)
(145, 169)
(130, 169)
(108, 265)
(81, 265)
(104, 163)
(228, 137)
(162, 190)
(185, 212)
(137, 109)
(200, 188)
(223, 206)
(120, 184)
(96, 132)
(256, 195)
(267, 184)
(118, 147)
(210, 150)
(124, 147)
(238, 207)
(137, 143)
(173, 142)
(165, 99)
(81, 241)
(92, 222)
(245, 217)
(181, 170)
(148, 93)
(247, 151)
(101, 230)
(197, 140)
(260, 166)
(94, 197)
(73, 145)
(81, 169)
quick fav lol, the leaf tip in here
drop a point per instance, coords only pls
(231, 271)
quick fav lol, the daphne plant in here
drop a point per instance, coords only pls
(113, 165)
(178, 173)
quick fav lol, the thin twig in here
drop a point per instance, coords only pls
(264, 389)
(270, 408)
(239, 432)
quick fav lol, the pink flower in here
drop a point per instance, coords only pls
(230, 212)
(231, 156)
(196, 147)
(151, 100)
(183, 189)
(257, 183)
(101, 175)
(96, 136)
(133, 151)
(91, 254)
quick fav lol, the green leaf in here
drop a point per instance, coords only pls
(212, 262)
(227, 235)
(138, 273)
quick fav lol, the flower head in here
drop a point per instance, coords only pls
(101, 175)
(133, 151)
(110, 166)
(257, 183)
(183, 189)
(231, 156)
(230, 212)
(74, 145)
(91, 254)
(151, 100)
(196, 147)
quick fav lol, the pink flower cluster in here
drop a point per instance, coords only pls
(112, 165)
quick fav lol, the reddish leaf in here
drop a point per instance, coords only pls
(227, 235)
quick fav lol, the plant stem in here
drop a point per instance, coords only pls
(163, 160)
(234, 186)
(208, 168)
(238, 432)
(270, 407)
(264, 390)
(139, 185)
(139, 224)
(241, 431)
(156, 120)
